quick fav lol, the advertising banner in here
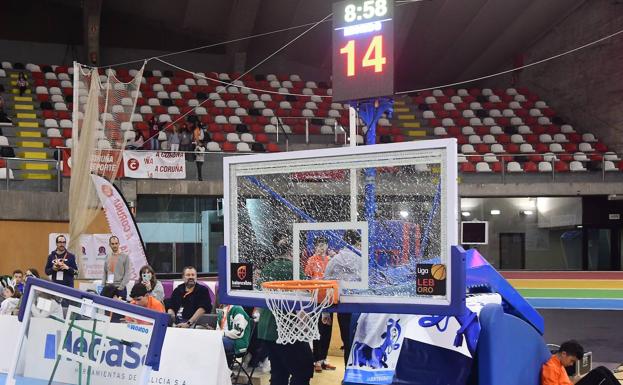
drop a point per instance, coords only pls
(121, 223)
(154, 165)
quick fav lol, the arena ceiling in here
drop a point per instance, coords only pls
(437, 41)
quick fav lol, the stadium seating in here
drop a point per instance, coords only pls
(501, 130)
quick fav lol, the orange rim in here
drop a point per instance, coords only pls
(305, 285)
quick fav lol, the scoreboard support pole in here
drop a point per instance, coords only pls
(370, 112)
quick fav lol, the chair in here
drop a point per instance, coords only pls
(239, 359)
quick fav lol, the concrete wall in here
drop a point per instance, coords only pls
(585, 87)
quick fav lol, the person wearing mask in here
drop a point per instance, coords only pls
(189, 300)
(200, 150)
(174, 139)
(117, 267)
(148, 279)
(61, 265)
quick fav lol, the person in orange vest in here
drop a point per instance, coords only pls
(314, 269)
(554, 372)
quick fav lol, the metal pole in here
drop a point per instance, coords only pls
(307, 131)
(552, 162)
(277, 122)
(59, 180)
(503, 170)
(8, 170)
(603, 167)
(352, 124)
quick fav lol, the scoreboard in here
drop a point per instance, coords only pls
(363, 49)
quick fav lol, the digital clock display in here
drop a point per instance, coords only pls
(363, 49)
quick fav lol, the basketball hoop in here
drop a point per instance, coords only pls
(297, 306)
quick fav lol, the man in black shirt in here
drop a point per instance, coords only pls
(189, 300)
(61, 264)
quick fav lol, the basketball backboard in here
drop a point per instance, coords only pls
(380, 219)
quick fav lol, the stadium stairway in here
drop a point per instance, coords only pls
(30, 142)
(406, 118)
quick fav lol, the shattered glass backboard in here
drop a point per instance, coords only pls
(380, 219)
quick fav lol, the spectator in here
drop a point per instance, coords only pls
(189, 300)
(290, 363)
(186, 141)
(137, 142)
(111, 291)
(32, 272)
(22, 83)
(11, 300)
(1, 104)
(200, 150)
(174, 139)
(554, 373)
(314, 269)
(154, 130)
(140, 296)
(117, 268)
(18, 280)
(61, 264)
(154, 287)
(346, 266)
(234, 322)
(197, 134)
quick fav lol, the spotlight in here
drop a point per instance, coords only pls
(466, 213)
(527, 212)
(495, 212)
(404, 214)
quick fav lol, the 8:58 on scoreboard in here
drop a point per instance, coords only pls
(363, 49)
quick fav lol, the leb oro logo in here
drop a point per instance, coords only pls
(241, 272)
(133, 164)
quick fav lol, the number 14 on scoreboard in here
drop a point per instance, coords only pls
(372, 58)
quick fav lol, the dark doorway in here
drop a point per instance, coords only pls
(512, 251)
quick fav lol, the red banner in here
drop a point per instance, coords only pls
(103, 162)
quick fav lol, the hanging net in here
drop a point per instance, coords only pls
(103, 112)
(297, 306)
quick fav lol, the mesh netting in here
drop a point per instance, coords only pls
(298, 310)
(102, 123)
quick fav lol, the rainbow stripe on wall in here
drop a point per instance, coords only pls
(599, 290)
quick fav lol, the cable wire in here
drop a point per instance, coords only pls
(514, 69)
(245, 73)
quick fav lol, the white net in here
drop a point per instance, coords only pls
(103, 112)
(297, 311)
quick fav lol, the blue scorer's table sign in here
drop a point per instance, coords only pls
(409, 349)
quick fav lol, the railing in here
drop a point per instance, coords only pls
(337, 128)
(504, 173)
(11, 160)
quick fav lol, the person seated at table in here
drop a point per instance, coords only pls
(234, 322)
(189, 300)
(140, 296)
(554, 372)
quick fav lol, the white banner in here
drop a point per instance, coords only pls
(121, 224)
(154, 164)
(90, 259)
(120, 363)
